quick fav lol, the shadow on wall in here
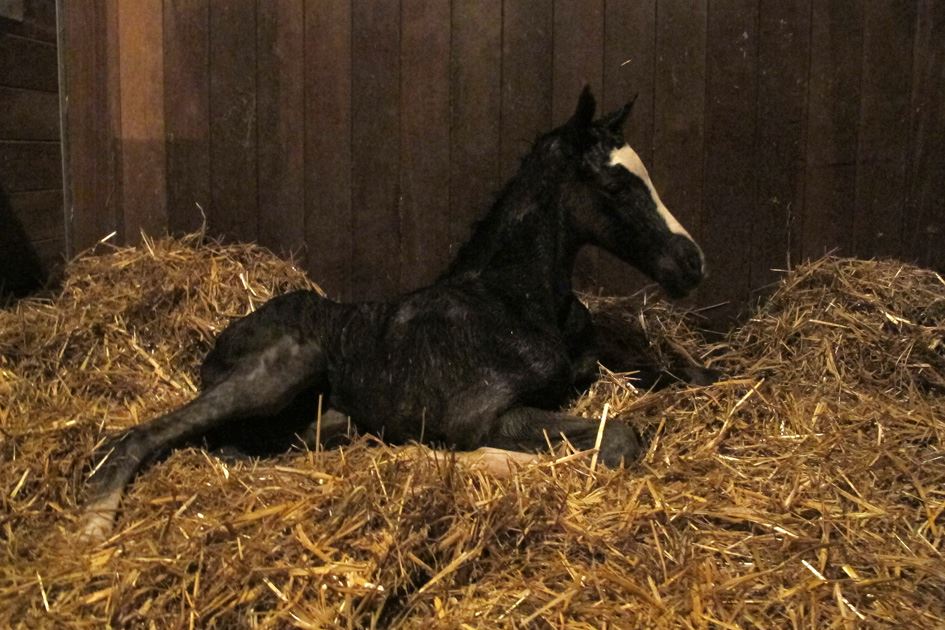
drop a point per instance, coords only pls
(21, 270)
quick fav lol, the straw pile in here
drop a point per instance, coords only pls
(806, 489)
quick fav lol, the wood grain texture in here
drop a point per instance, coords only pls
(143, 158)
(424, 141)
(476, 105)
(578, 54)
(187, 112)
(373, 134)
(630, 69)
(883, 138)
(679, 102)
(833, 112)
(111, 109)
(783, 63)
(578, 61)
(375, 147)
(730, 151)
(925, 220)
(234, 210)
(629, 72)
(90, 123)
(280, 104)
(527, 48)
(329, 224)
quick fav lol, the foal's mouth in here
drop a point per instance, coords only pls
(678, 289)
(681, 269)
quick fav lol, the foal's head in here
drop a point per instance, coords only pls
(612, 202)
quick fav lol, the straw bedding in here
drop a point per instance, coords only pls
(807, 489)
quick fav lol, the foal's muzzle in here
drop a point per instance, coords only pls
(680, 267)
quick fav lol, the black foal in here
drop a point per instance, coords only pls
(484, 357)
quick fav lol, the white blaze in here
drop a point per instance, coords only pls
(626, 157)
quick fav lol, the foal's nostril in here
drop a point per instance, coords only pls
(689, 257)
(694, 264)
(681, 266)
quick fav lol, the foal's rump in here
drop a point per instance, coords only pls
(291, 314)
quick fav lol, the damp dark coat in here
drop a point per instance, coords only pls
(485, 356)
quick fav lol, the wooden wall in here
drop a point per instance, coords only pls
(366, 135)
(32, 237)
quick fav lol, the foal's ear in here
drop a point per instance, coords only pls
(614, 120)
(584, 114)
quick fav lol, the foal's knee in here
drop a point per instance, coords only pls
(621, 445)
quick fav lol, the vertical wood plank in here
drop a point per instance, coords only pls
(425, 141)
(679, 105)
(187, 112)
(141, 45)
(730, 145)
(375, 146)
(578, 61)
(113, 114)
(783, 58)
(280, 106)
(629, 69)
(925, 221)
(475, 84)
(836, 64)
(233, 210)
(629, 66)
(329, 225)
(882, 146)
(578, 54)
(526, 78)
(92, 158)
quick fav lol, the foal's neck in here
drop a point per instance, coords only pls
(525, 243)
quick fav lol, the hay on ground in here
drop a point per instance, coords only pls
(806, 489)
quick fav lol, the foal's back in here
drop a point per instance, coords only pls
(415, 367)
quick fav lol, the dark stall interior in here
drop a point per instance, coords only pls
(364, 138)
(32, 223)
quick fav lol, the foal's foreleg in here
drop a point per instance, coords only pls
(526, 428)
(261, 385)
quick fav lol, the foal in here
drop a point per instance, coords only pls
(484, 357)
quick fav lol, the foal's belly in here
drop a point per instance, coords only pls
(441, 382)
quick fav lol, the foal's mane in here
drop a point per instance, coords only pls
(530, 190)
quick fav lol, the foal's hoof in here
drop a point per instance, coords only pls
(97, 521)
(621, 445)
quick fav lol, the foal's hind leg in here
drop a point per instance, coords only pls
(525, 429)
(294, 424)
(261, 385)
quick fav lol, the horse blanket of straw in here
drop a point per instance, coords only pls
(806, 490)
